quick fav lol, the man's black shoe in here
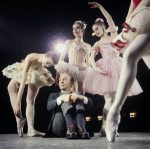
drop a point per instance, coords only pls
(71, 133)
(83, 134)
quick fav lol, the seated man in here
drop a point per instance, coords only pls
(68, 111)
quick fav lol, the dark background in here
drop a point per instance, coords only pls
(28, 27)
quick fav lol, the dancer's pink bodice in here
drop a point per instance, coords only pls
(136, 3)
(107, 51)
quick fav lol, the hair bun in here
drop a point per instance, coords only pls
(99, 20)
(82, 23)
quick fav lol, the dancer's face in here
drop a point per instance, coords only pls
(77, 31)
(98, 30)
(47, 62)
(65, 83)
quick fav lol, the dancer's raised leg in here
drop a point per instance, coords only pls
(137, 49)
(109, 99)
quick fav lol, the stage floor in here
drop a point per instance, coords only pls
(125, 141)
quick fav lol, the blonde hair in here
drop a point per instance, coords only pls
(81, 23)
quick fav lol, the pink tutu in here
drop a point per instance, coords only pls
(96, 83)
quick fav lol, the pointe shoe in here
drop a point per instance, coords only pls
(117, 134)
(110, 135)
(102, 132)
(20, 126)
(112, 120)
(34, 133)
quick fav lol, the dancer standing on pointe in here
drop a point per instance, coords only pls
(134, 41)
(31, 72)
(78, 53)
(104, 75)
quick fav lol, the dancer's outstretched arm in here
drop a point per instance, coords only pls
(27, 65)
(107, 16)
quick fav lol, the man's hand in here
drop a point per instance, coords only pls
(76, 97)
(66, 98)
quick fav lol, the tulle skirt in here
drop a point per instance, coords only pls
(96, 83)
(38, 76)
(73, 70)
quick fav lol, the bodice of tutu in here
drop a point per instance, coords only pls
(107, 51)
(77, 55)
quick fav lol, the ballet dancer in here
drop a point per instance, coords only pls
(104, 75)
(133, 41)
(78, 53)
(29, 72)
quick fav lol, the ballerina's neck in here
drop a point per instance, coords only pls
(78, 39)
(104, 36)
(105, 40)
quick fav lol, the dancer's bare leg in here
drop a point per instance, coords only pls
(12, 90)
(108, 103)
(31, 96)
(109, 98)
(136, 50)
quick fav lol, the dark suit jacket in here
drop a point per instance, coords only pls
(52, 106)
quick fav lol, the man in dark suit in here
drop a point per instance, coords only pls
(68, 111)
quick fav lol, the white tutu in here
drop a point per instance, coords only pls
(73, 70)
